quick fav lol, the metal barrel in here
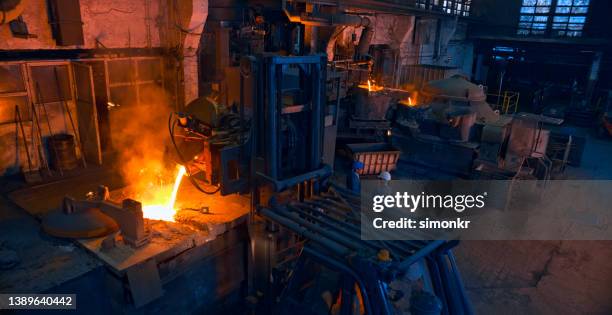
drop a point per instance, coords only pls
(64, 156)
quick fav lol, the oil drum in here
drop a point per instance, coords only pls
(62, 151)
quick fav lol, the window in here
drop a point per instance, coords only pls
(51, 83)
(569, 18)
(135, 81)
(13, 93)
(454, 7)
(534, 17)
(557, 17)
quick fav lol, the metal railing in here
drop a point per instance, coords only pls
(506, 102)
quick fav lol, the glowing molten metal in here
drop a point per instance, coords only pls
(408, 102)
(165, 209)
(372, 87)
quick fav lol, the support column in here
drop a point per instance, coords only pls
(593, 78)
(191, 42)
(478, 72)
(312, 31)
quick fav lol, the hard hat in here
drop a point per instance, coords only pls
(415, 272)
(384, 255)
(385, 175)
(358, 165)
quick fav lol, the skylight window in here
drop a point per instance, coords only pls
(570, 17)
(534, 17)
(454, 7)
(555, 17)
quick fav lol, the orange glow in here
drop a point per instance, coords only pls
(409, 101)
(159, 205)
(371, 86)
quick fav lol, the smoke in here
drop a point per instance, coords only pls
(139, 134)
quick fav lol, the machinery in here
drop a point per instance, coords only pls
(300, 224)
(453, 116)
(279, 143)
(215, 144)
(265, 130)
(604, 127)
(362, 277)
(516, 146)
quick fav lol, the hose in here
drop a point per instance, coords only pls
(171, 125)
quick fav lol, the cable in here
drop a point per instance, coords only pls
(171, 125)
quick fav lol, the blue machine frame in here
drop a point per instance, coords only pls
(325, 218)
(335, 242)
(268, 70)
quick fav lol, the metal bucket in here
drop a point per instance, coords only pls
(371, 105)
(62, 152)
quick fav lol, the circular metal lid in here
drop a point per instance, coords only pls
(79, 224)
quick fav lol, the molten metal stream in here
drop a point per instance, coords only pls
(165, 212)
(371, 86)
(408, 102)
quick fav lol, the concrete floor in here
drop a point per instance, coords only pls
(537, 277)
(544, 277)
(44, 262)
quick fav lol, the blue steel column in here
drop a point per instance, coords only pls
(277, 118)
(317, 114)
(270, 126)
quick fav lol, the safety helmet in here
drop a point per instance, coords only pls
(358, 165)
(384, 175)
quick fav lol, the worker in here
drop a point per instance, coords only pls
(352, 180)
(385, 176)
(382, 186)
(538, 97)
